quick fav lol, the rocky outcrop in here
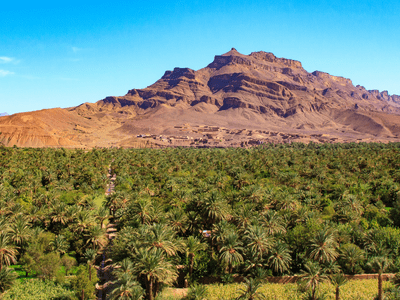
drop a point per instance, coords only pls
(256, 91)
(261, 79)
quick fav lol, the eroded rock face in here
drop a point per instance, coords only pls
(261, 79)
(240, 92)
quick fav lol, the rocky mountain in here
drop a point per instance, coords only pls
(237, 100)
(3, 114)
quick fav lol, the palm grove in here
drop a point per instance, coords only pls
(314, 210)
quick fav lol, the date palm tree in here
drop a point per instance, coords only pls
(197, 292)
(126, 289)
(95, 236)
(19, 231)
(230, 251)
(83, 219)
(243, 215)
(279, 258)
(8, 252)
(161, 236)
(154, 268)
(312, 276)
(380, 264)
(102, 215)
(257, 239)
(350, 257)
(338, 280)
(90, 257)
(250, 290)
(178, 220)
(213, 208)
(323, 246)
(59, 244)
(193, 246)
(273, 222)
(7, 278)
(125, 266)
(142, 210)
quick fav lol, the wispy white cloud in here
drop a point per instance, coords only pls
(4, 73)
(5, 59)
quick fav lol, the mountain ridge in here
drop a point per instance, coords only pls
(252, 99)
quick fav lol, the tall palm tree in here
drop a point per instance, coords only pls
(178, 220)
(8, 252)
(161, 236)
(102, 215)
(338, 280)
(258, 240)
(20, 230)
(279, 258)
(213, 208)
(323, 246)
(243, 215)
(59, 213)
(95, 236)
(83, 219)
(312, 276)
(221, 230)
(142, 210)
(193, 245)
(154, 268)
(115, 201)
(125, 266)
(380, 264)
(273, 222)
(90, 257)
(59, 244)
(7, 278)
(126, 289)
(230, 251)
(350, 257)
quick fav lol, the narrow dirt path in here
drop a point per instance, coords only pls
(105, 268)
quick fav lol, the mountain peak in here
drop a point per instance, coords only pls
(232, 52)
(237, 100)
(3, 114)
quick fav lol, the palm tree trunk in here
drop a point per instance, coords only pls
(380, 292)
(313, 292)
(191, 263)
(337, 295)
(150, 290)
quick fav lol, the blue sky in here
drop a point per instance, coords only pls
(64, 53)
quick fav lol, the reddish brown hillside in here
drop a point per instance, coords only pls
(236, 100)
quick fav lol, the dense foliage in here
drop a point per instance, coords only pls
(50, 216)
(313, 210)
(310, 209)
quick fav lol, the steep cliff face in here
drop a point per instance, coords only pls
(258, 91)
(276, 88)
